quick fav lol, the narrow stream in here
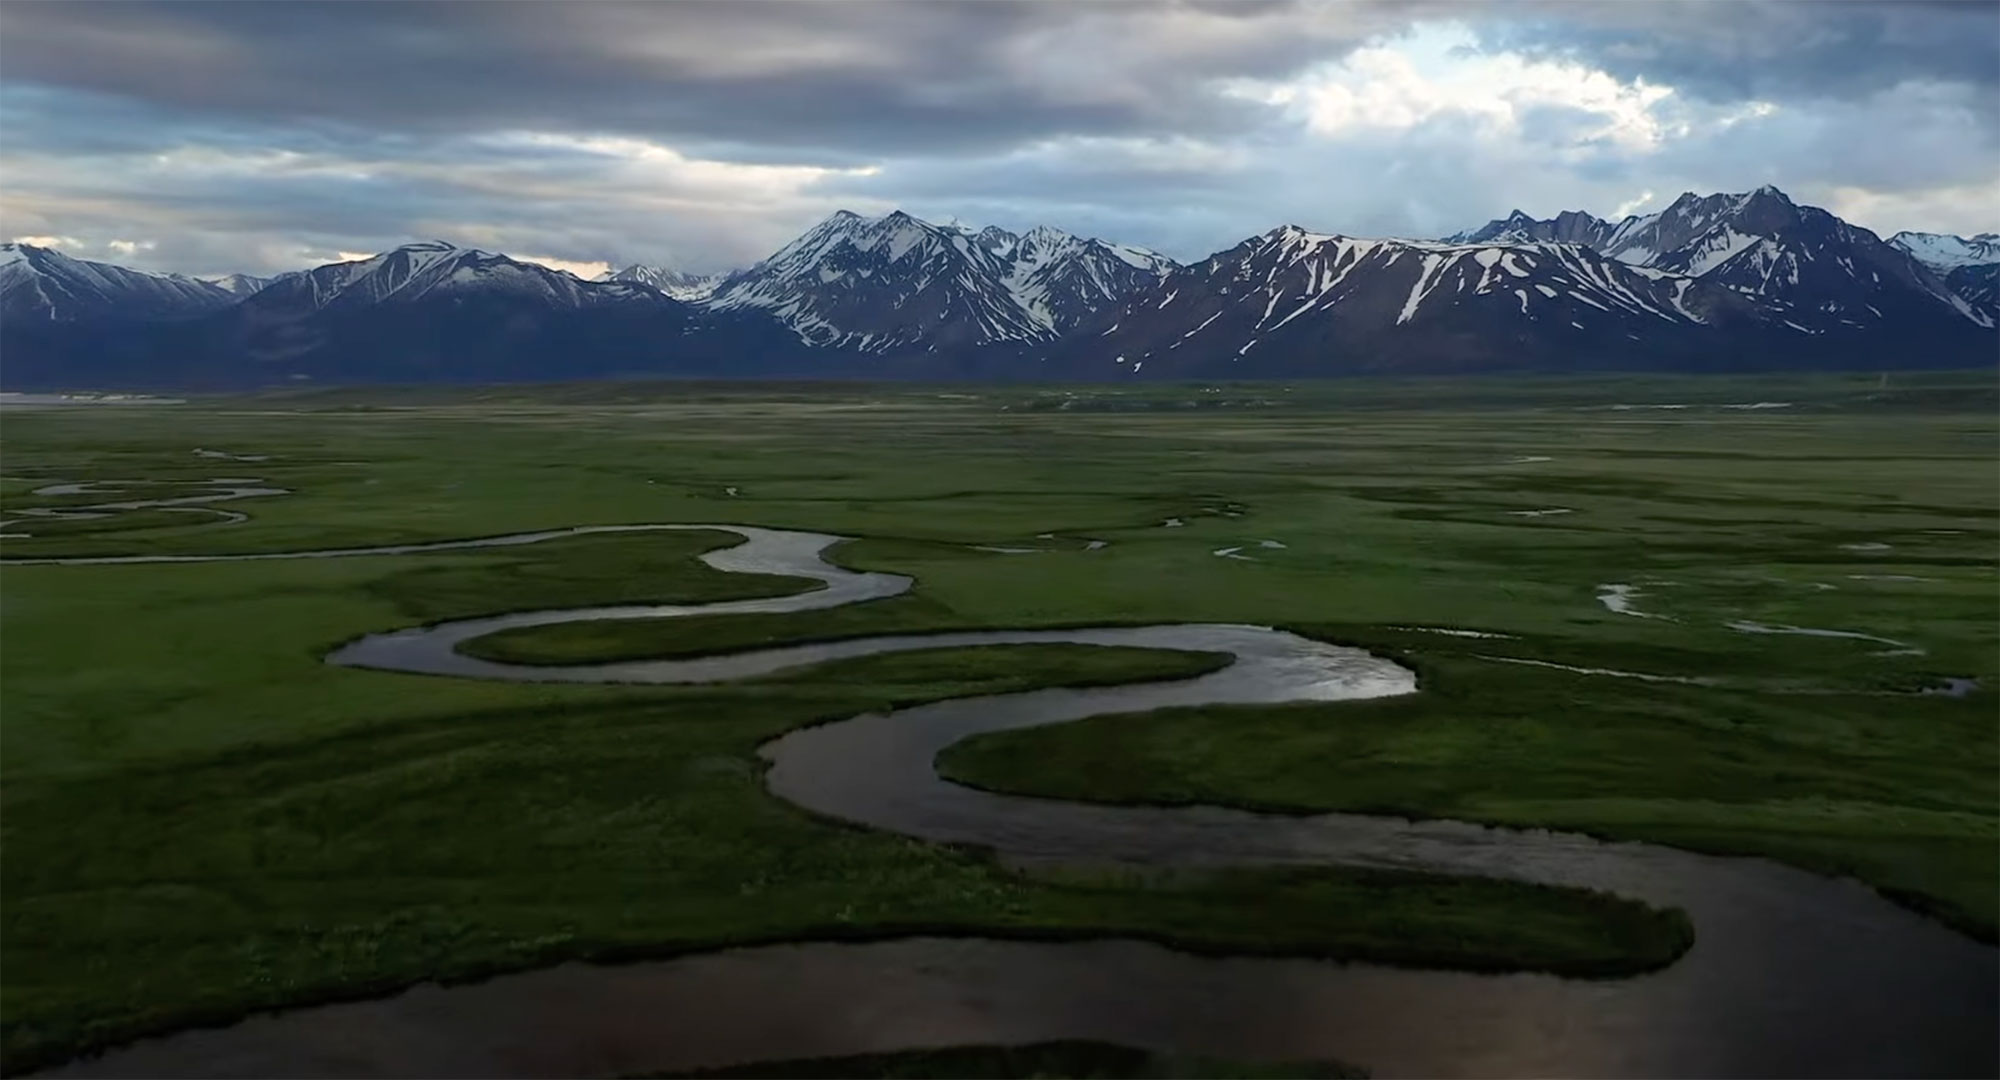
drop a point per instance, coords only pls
(228, 490)
(1791, 974)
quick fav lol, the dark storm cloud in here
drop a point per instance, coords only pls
(260, 136)
(850, 76)
(895, 77)
(1779, 49)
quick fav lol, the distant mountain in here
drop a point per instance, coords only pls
(1824, 273)
(1061, 280)
(1748, 281)
(1293, 302)
(1811, 268)
(435, 270)
(1970, 267)
(240, 285)
(1725, 282)
(420, 313)
(897, 283)
(44, 284)
(1943, 252)
(1979, 287)
(883, 284)
(675, 283)
(426, 306)
(1568, 227)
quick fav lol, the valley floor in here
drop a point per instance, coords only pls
(1720, 615)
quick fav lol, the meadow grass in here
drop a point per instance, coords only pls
(202, 819)
(1833, 782)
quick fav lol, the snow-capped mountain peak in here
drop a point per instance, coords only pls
(887, 283)
(1568, 227)
(678, 284)
(1290, 299)
(1048, 240)
(1294, 236)
(240, 284)
(1517, 225)
(1969, 266)
(881, 284)
(436, 269)
(43, 283)
(1943, 251)
(1711, 282)
(1819, 269)
(1060, 279)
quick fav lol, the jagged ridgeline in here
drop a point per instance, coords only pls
(1718, 283)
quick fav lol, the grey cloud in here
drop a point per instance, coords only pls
(1443, 176)
(837, 79)
(1770, 49)
(1911, 139)
(365, 192)
(882, 76)
(1099, 118)
(1558, 125)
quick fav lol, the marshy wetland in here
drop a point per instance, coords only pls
(1431, 780)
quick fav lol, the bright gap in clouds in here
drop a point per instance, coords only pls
(1438, 72)
(1428, 128)
(1632, 206)
(584, 270)
(48, 241)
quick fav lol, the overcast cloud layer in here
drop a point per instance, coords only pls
(259, 137)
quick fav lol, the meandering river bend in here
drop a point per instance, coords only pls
(1791, 974)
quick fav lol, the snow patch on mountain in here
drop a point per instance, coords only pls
(1816, 272)
(675, 283)
(1943, 252)
(45, 284)
(889, 283)
(1715, 249)
(436, 270)
(1293, 297)
(240, 284)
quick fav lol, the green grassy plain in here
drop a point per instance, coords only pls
(201, 819)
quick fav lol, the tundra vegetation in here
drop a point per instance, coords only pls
(201, 819)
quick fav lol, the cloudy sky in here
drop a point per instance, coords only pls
(206, 138)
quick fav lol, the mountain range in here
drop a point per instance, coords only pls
(44, 284)
(896, 283)
(1731, 282)
(678, 284)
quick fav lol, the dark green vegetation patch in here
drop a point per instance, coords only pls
(201, 819)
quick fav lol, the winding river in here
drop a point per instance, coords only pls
(228, 489)
(1791, 974)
